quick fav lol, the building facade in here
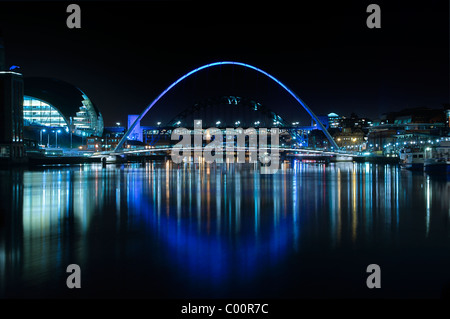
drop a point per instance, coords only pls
(350, 139)
(2, 55)
(60, 105)
(11, 126)
(334, 120)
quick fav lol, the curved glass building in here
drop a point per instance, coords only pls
(54, 103)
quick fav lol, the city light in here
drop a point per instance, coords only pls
(44, 130)
(56, 137)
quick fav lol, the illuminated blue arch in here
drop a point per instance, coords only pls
(327, 134)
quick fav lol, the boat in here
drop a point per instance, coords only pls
(412, 158)
(437, 159)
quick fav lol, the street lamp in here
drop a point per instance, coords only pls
(118, 123)
(56, 135)
(44, 130)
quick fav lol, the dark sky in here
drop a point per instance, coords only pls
(126, 53)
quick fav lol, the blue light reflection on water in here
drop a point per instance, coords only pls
(210, 225)
(211, 249)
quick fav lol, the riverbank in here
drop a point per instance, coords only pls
(377, 159)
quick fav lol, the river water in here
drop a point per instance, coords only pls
(158, 230)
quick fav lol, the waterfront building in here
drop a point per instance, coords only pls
(350, 139)
(11, 121)
(418, 126)
(136, 134)
(333, 120)
(56, 104)
(2, 55)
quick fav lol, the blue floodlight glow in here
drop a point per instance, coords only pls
(124, 138)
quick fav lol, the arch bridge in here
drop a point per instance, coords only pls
(119, 147)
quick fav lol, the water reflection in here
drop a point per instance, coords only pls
(205, 225)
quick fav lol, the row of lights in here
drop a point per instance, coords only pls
(421, 142)
(237, 123)
(53, 131)
(219, 122)
(353, 139)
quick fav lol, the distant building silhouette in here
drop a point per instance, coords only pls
(413, 115)
(11, 119)
(2, 54)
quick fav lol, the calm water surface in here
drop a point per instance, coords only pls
(157, 230)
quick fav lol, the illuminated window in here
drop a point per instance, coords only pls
(37, 112)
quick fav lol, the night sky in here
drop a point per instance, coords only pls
(126, 53)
